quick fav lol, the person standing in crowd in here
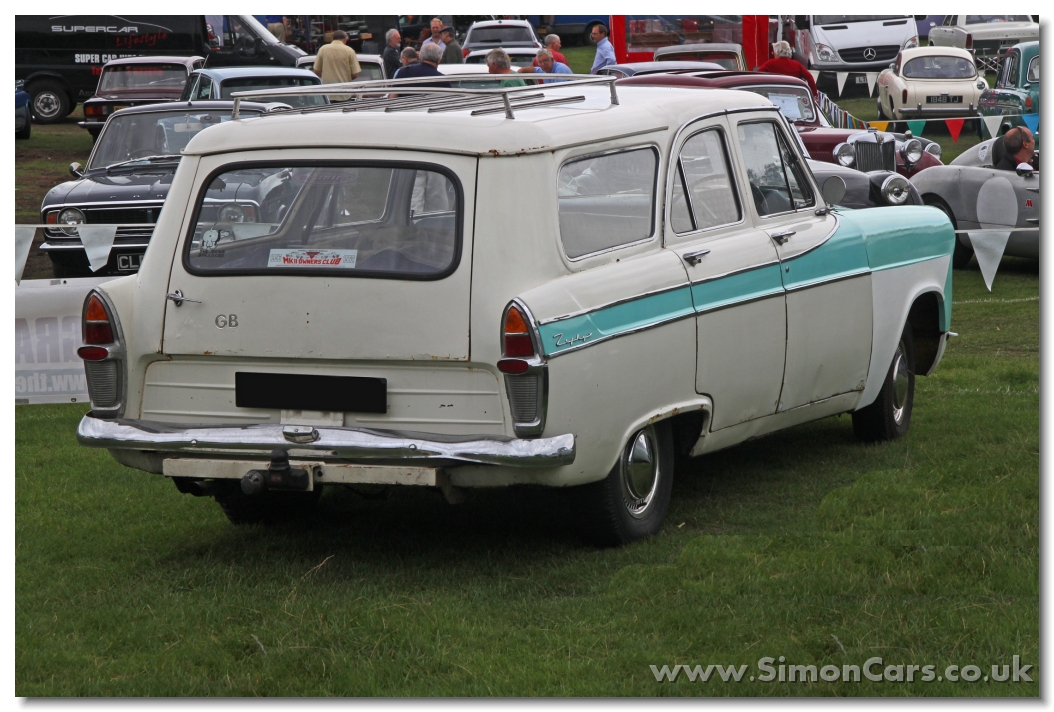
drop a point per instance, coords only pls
(392, 41)
(336, 63)
(430, 56)
(553, 44)
(546, 65)
(452, 54)
(498, 63)
(436, 37)
(605, 52)
(783, 64)
(407, 57)
(277, 25)
(1019, 147)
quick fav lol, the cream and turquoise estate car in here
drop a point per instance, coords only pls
(562, 286)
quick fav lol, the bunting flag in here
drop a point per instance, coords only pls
(872, 77)
(880, 125)
(841, 77)
(915, 127)
(23, 241)
(815, 74)
(996, 210)
(954, 127)
(992, 124)
(1031, 121)
(97, 241)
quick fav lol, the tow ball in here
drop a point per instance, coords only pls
(278, 476)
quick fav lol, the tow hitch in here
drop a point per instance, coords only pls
(278, 476)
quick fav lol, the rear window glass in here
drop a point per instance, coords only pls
(939, 67)
(252, 83)
(142, 76)
(607, 201)
(499, 35)
(362, 220)
(157, 133)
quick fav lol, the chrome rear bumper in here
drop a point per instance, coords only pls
(359, 445)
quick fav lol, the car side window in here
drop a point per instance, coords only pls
(204, 89)
(607, 201)
(777, 180)
(703, 196)
(1012, 69)
(188, 88)
(1032, 76)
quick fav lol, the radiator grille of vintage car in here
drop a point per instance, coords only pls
(873, 156)
(117, 216)
(884, 53)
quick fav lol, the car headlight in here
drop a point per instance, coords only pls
(896, 190)
(826, 54)
(982, 84)
(913, 42)
(70, 216)
(232, 214)
(934, 149)
(844, 154)
(911, 151)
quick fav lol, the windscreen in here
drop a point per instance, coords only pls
(846, 19)
(500, 36)
(253, 83)
(142, 76)
(939, 67)
(153, 134)
(795, 103)
(362, 220)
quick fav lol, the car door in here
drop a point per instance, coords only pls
(734, 271)
(824, 272)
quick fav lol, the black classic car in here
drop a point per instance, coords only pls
(126, 181)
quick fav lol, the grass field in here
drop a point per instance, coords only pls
(805, 544)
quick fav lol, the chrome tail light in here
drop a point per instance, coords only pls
(525, 369)
(103, 354)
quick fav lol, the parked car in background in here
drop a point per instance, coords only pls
(634, 69)
(500, 33)
(570, 28)
(136, 81)
(372, 66)
(23, 119)
(976, 196)
(930, 82)
(987, 37)
(853, 43)
(864, 150)
(61, 57)
(676, 255)
(126, 181)
(727, 54)
(416, 28)
(215, 84)
(1016, 89)
(924, 23)
(518, 56)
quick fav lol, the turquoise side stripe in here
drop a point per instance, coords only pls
(843, 254)
(760, 282)
(901, 235)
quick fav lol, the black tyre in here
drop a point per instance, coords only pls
(49, 102)
(962, 254)
(265, 508)
(889, 416)
(631, 502)
(27, 130)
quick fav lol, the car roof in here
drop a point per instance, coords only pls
(526, 51)
(640, 110)
(453, 69)
(222, 73)
(255, 106)
(499, 23)
(185, 61)
(705, 47)
(935, 51)
(670, 66)
(714, 80)
(375, 58)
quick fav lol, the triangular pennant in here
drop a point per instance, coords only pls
(1031, 121)
(815, 75)
(992, 124)
(915, 127)
(872, 77)
(841, 77)
(880, 125)
(23, 241)
(955, 126)
(988, 248)
(97, 241)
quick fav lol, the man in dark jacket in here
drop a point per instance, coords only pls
(452, 54)
(1018, 147)
(392, 41)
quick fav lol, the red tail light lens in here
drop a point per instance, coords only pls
(92, 353)
(517, 341)
(1028, 101)
(513, 365)
(97, 327)
(969, 41)
(904, 97)
(464, 52)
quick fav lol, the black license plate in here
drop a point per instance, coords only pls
(944, 99)
(129, 263)
(292, 391)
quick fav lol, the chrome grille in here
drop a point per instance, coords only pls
(523, 397)
(102, 383)
(884, 53)
(114, 216)
(873, 156)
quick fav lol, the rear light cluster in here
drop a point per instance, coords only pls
(103, 355)
(526, 372)
(97, 111)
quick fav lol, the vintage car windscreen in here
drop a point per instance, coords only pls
(939, 67)
(161, 133)
(777, 180)
(704, 195)
(793, 102)
(142, 76)
(361, 220)
(607, 201)
(1033, 70)
(252, 83)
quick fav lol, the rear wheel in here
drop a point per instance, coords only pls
(889, 416)
(267, 507)
(631, 502)
(49, 102)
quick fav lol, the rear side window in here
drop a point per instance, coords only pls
(204, 89)
(703, 193)
(607, 201)
(370, 220)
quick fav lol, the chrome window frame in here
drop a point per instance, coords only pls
(810, 180)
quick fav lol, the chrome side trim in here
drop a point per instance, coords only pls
(605, 305)
(829, 280)
(748, 300)
(639, 329)
(734, 272)
(333, 443)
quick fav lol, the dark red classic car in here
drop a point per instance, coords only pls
(865, 150)
(134, 81)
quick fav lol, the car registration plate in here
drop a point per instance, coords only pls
(944, 99)
(118, 107)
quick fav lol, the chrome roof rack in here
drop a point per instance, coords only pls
(421, 94)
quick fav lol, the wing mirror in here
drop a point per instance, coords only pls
(1024, 170)
(76, 172)
(833, 190)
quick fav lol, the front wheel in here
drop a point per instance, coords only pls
(49, 101)
(631, 502)
(889, 416)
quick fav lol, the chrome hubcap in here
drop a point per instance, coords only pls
(900, 383)
(639, 469)
(46, 105)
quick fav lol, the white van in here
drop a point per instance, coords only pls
(853, 43)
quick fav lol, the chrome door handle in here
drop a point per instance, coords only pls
(781, 237)
(694, 258)
(178, 298)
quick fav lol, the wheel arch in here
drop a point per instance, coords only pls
(689, 419)
(924, 316)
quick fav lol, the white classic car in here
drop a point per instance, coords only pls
(987, 37)
(560, 288)
(930, 82)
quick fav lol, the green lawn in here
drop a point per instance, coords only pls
(804, 544)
